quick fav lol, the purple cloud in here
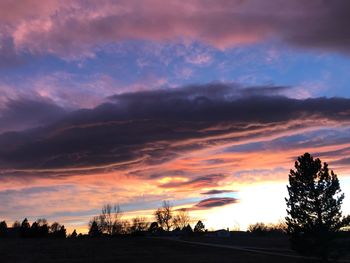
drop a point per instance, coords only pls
(215, 192)
(215, 202)
(77, 29)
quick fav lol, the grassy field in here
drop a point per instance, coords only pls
(122, 250)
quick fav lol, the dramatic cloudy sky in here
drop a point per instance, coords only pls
(205, 103)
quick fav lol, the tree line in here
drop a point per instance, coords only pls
(110, 222)
(38, 229)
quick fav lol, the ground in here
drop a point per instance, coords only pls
(138, 249)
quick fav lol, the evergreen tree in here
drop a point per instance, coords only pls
(313, 207)
(199, 227)
(94, 230)
(187, 230)
(74, 234)
(34, 230)
(62, 233)
(25, 228)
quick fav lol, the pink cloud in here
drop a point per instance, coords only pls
(76, 29)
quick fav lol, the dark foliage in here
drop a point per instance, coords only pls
(199, 227)
(58, 231)
(38, 229)
(25, 228)
(267, 229)
(153, 228)
(94, 230)
(314, 207)
(187, 230)
(164, 216)
(74, 234)
(258, 228)
(3, 229)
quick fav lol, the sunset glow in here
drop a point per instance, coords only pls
(206, 104)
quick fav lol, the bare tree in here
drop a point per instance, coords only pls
(110, 216)
(109, 221)
(139, 224)
(125, 227)
(164, 215)
(181, 219)
(41, 222)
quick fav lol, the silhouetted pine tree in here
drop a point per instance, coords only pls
(314, 206)
(74, 234)
(199, 227)
(187, 230)
(94, 230)
(25, 228)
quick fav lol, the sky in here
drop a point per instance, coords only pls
(204, 103)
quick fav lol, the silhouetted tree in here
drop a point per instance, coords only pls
(94, 230)
(153, 227)
(279, 227)
(41, 221)
(34, 230)
(16, 224)
(125, 227)
(110, 220)
(57, 230)
(62, 233)
(187, 230)
(25, 228)
(181, 219)
(314, 206)
(39, 228)
(3, 229)
(164, 216)
(55, 227)
(139, 224)
(258, 228)
(199, 227)
(74, 234)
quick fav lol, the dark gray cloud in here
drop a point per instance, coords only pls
(215, 192)
(215, 202)
(199, 182)
(143, 127)
(21, 114)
